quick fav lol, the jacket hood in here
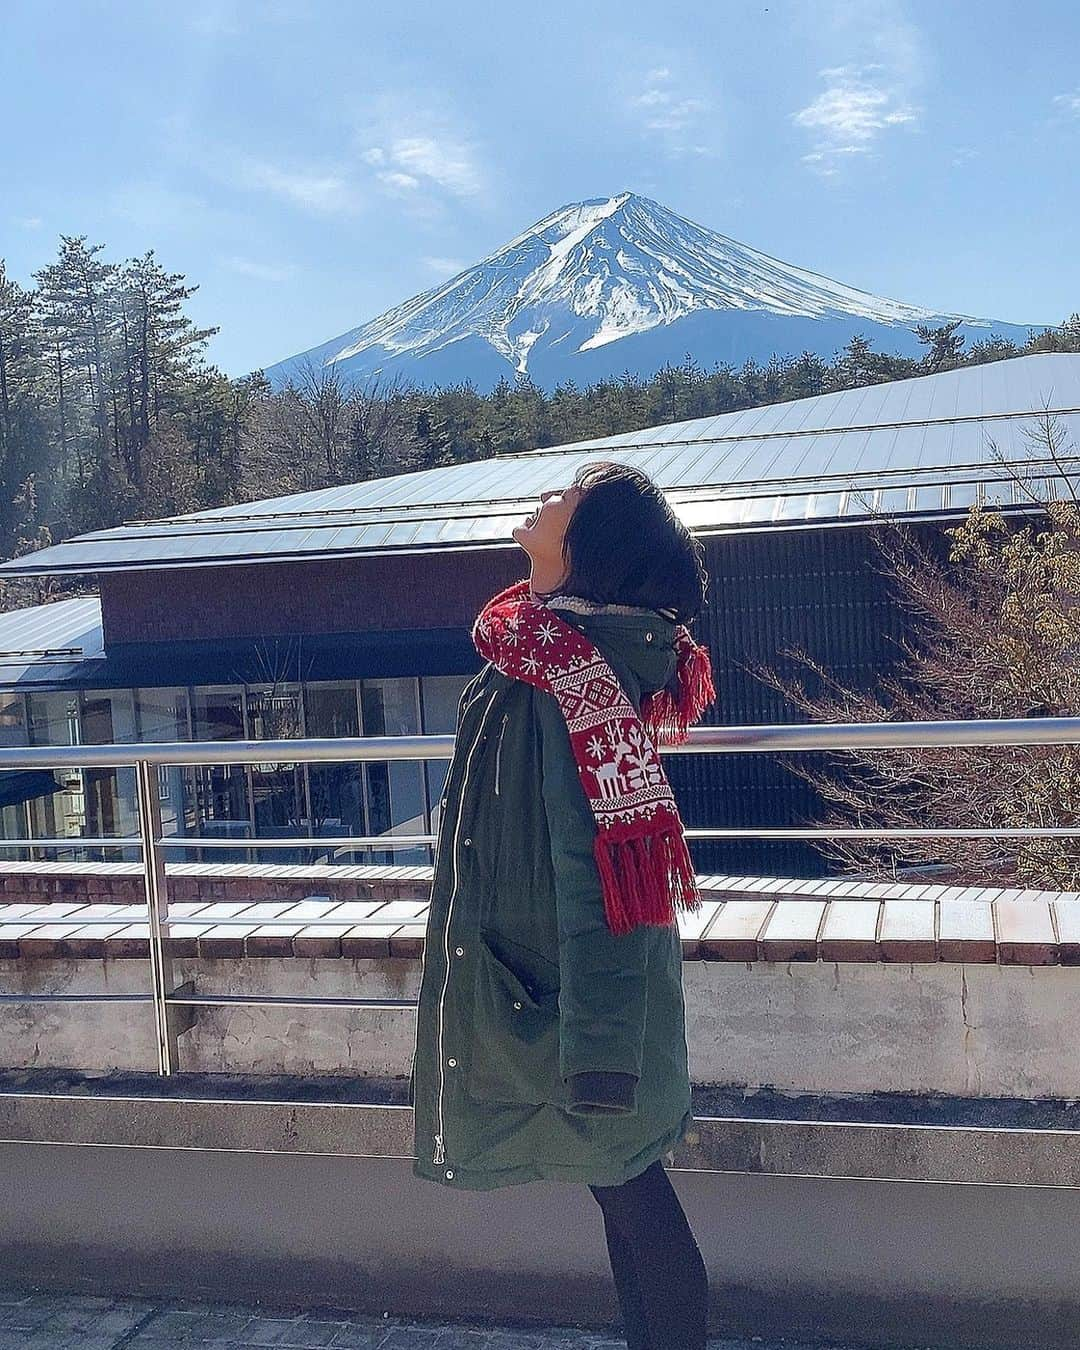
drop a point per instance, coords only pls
(640, 643)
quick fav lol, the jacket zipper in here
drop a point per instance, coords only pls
(463, 700)
(439, 1155)
(498, 752)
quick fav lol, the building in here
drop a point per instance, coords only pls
(346, 611)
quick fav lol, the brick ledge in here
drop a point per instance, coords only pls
(767, 919)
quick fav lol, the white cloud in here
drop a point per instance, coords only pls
(249, 267)
(439, 161)
(325, 191)
(1069, 103)
(670, 112)
(326, 187)
(664, 112)
(850, 114)
(28, 222)
(871, 91)
(417, 158)
(396, 181)
(444, 267)
(445, 162)
(853, 109)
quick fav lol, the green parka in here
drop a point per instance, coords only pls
(546, 1046)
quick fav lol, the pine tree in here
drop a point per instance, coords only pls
(17, 351)
(944, 346)
(73, 295)
(808, 375)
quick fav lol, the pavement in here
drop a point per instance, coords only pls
(40, 1320)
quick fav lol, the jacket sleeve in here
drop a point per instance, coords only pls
(603, 982)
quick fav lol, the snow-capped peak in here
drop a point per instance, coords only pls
(591, 274)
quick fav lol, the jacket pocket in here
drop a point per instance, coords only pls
(515, 1047)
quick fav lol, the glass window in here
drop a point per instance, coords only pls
(217, 713)
(395, 789)
(217, 794)
(14, 816)
(162, 715)
(12, 719)
(53, 719)
(107, 717)
(13, 825)
(335, 790)
(275, 712)
(439, 696)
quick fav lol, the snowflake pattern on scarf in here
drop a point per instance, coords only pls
(645, 867)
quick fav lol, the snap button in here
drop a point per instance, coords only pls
(516, 1004)
(648, 637)
(460, 951)
(466, 842)
(452, 1063)
(442, 802)
(449, 1171)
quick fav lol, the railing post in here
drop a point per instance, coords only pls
(157, 909)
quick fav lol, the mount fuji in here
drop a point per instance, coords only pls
(612, 285)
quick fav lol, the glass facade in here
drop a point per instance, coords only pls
(277, 789)
(13, 816)
(335, 791)
(218, 794)
(110, 801)
(238, 802)
(439, 696)
(395, 790)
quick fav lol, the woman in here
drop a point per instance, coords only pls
(550, 1025)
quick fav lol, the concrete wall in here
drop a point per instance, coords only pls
(799, 1026)
(970, 1030)
(872, 1263)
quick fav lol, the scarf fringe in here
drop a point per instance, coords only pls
(645, 878)
(666, 717)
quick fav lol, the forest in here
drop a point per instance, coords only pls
(110, 410)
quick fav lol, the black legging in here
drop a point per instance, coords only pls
(660, 1277)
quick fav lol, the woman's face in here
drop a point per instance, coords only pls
(541, 536)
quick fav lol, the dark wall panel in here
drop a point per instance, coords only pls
(818, 590)
(323, 596)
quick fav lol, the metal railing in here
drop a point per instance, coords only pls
(173, 1007)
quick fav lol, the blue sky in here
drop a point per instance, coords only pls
(311, 162)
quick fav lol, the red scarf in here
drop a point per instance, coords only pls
(645, 867)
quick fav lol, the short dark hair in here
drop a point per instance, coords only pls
(624, 544)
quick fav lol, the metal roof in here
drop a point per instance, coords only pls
(60, 645)
(52, 644)
(920, 448)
